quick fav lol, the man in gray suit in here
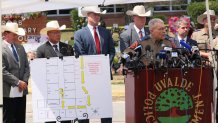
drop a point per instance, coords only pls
(93, 40)
(15, 75)
(136, 30)
(53, 47)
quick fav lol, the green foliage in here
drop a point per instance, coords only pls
(197, 8)
(162, 17)
(77, 22)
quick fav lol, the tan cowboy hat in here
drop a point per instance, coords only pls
(52, 25)
(204, 15)
(94, 9)
(139, 10)
(13, 27)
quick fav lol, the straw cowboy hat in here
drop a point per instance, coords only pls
(13, 27)
(139, 10)
(52, 25)
(201, 18)
(94, 9)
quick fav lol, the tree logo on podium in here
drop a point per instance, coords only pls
(174, 105)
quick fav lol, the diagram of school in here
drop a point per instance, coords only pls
(70, 88)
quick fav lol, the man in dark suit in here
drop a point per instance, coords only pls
(15, 75)
(53, 47)
(182, 32)
(136, 30)
(93, 40)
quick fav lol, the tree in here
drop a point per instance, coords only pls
(197, 8)
(77, 22)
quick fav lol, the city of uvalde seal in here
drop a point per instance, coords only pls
(171, 102)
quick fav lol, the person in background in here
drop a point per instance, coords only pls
(182, 29)
(54, 47)
(93, 40)
(136, 30)
(202, 35)
(16, 73)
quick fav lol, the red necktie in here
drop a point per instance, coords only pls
(97, 41)
(140, 35)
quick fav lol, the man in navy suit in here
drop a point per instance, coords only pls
(93, 40)
(182, 32)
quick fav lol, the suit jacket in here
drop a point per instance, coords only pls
(14, 71)
(129, 36)
(189, 41)
(84, 43)
(47, 51)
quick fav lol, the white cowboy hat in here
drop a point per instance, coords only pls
(204, 15)
(139, 10)
(13, 27)
(94, 9)
(216, 26)
(52, 25)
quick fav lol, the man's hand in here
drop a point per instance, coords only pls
(22, 85)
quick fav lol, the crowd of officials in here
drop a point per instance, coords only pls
(93, 40)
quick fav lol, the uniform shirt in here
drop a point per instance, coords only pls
(155, 47)
(202, 38)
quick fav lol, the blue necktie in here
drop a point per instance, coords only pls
(14, 53)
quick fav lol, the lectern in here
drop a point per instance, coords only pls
(171, 95)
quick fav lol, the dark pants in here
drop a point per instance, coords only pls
(14, 110)
(103, 120)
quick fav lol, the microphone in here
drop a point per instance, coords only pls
(138, 52)
(187, 46)
(63, 50)
(134, 45)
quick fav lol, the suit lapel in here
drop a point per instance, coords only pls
(50, 49)
(91, 38)
(134, 34)
(8, 51)
(101, 35)
(177, 41)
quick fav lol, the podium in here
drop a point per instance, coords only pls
(171, 95)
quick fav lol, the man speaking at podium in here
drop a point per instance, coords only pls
(155, 42)
(53, 47)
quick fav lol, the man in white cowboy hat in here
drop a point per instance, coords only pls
(93, 40)
(53, 47)
(15, 75)
(202, 35)
(136, 29)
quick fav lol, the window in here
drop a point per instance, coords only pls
(111, 9)
(62, 12)
(172, 6)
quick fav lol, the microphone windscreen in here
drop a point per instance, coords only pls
(187, 46)
(148, 48)
(134, 45)
(162, 54)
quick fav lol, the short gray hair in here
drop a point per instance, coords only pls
(181, 21)
(153, 22)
